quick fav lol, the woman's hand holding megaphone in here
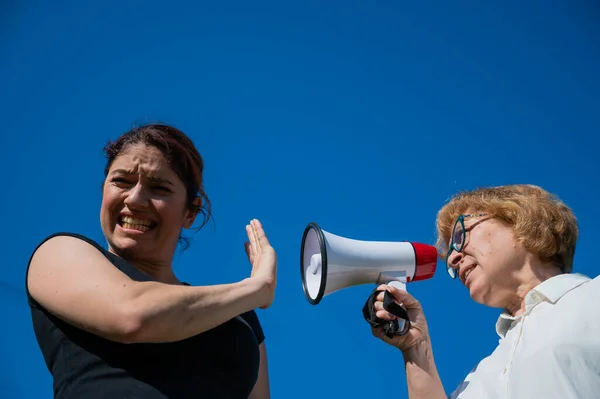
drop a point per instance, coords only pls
(418, 331)
(263, 259)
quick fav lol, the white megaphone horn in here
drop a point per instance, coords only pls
(329, 263)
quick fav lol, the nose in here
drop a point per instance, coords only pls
(136, 197)
(454, 259)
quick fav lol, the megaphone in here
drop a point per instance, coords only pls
(329, 262)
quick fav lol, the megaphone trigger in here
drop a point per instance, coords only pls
(398, 326)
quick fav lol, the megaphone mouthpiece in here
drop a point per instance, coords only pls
(329, 262)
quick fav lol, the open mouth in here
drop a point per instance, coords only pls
(466, 274)
(131, 223)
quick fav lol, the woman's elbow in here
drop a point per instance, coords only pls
(127, 327)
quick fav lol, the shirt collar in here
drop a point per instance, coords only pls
(550, 291)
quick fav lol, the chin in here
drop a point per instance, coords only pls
(125, 247)
(129, 245)
(484, 297)
(477, 299)
(477, 294)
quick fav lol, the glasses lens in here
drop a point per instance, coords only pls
(457, 236)
(451, 271)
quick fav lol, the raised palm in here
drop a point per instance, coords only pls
(263, 259)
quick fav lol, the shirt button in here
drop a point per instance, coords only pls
(535, 297)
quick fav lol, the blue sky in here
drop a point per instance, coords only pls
(361, 116)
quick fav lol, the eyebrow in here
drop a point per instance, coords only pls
(155, 179)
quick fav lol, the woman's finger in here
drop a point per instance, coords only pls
(378, 305)
(262, 236)
(382, 287)
(403, 297)
(385, 315)
(252, 238)
(255, 229)
(249, 253)
(381, 312)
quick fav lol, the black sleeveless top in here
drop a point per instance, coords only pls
(220, 363)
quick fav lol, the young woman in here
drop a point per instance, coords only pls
(117, 322)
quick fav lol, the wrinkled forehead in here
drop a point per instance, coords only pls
(140, 157)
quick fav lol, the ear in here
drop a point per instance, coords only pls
(192, 213)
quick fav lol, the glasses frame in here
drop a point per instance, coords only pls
(460, 221)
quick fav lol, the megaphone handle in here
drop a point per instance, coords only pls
(399, 326)
(390, 304)
(397, 310)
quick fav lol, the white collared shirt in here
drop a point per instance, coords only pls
(550, 351)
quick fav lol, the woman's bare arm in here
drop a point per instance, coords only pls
(75, 282)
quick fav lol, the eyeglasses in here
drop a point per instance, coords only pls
(458, 238)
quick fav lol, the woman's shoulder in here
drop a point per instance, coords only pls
(58, 246)
(65, 244)
(61, 234)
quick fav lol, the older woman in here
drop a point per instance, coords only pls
(117, 322)
(512, 247)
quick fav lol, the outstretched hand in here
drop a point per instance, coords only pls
(263, 259)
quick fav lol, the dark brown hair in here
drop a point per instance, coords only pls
(181, 154)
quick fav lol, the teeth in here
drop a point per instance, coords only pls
(467, 273)
(134, 221)
(131, 223)
(134, 226)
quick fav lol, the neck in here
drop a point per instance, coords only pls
(159, 270)
(530, 276)
(162, 272)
